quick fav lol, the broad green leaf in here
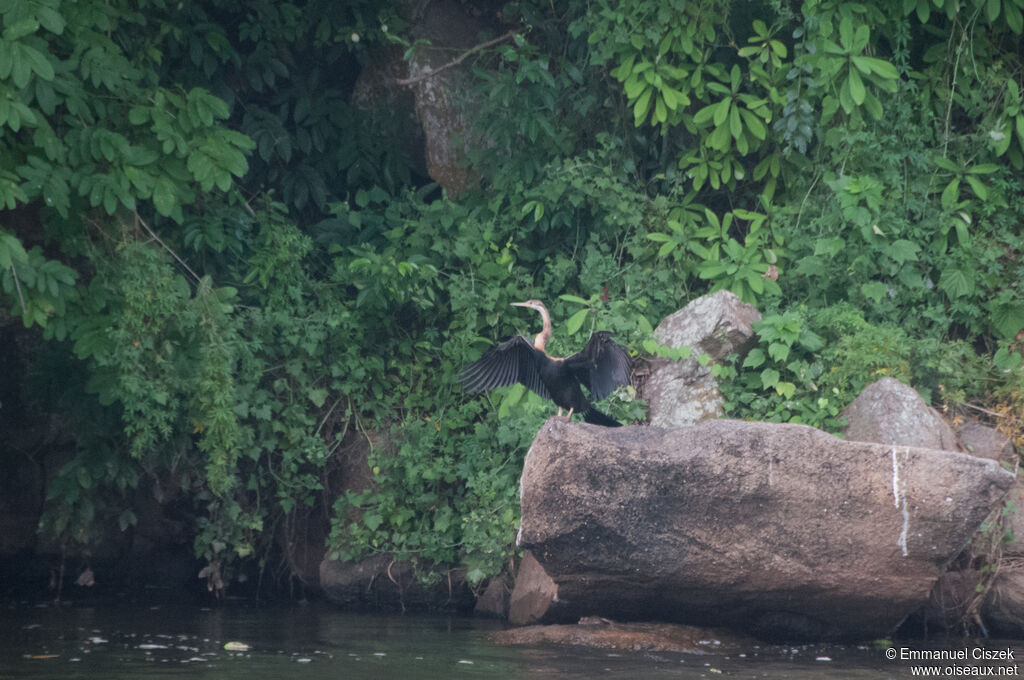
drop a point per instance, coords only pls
(1008, 319)
(754, 358)
(138, 115)
(660, 112)
(875, 290)
(576, 321)
(769, 378)
(951, 193)
(856, 85)
(963, 234)
(1014, 17)
(705, 114)
(512, 397)
(669, 96)
(861, 38)
(755, 125)
(642, 106)
(6, 58)
(846, 37)
(956, 282)
(992, 9)
(372, 520)
(786, 389)
(164, 196)
(810, 265)
(1005, 360)
(846, 99)
(37, 61)
(719, 139)
(19, 29)
(862, 64)
(902, 250)
(882, 68)
(317, 395)
(634, 86)
(778, 351)
(722, 111)
(710, 270)
(829, 246)
(979, 188)
(735, 124)
(11, 250)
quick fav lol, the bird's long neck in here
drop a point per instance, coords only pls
(545, 334)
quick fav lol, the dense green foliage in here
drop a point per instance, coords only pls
(236, 271)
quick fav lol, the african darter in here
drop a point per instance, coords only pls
(601, 366)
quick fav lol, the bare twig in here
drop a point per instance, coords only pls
(456, 61)
(983, 410)
(17, 284)
(167, 248)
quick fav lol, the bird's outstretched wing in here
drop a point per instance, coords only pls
(602, 365)
(512, 361)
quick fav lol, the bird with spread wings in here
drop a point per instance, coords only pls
(601, 366)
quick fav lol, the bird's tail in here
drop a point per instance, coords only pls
(592, 415)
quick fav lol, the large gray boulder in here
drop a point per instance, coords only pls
(684, 392)
(781, 530)
(889, 412)
(986, 583)
(985, 442)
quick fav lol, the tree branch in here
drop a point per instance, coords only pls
(166, 247)
(454, 62)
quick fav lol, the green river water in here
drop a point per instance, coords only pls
(317, 642)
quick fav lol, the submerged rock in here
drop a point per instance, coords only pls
(533, 593)
(780, 530)
(493, 601)
(606, 634)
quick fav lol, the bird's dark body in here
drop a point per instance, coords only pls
(601, 366)
(564, 387)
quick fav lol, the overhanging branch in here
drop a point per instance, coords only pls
(456, 61)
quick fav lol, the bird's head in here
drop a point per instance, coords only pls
(536, 305)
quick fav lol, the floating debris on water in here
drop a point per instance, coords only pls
(236, 647)
(823, 658)
(304, 659)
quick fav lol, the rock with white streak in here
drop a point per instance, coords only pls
(783, 531)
